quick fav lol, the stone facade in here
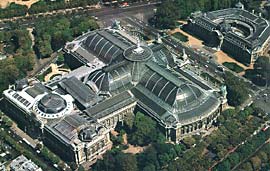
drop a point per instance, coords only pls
(238, 32)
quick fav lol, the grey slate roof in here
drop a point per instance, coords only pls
(36, 90)
(66, 129)
(162, 55)
(51, 103)
(79, 91)
(110, 105)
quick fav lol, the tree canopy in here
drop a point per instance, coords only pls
(144, 131)
(260, 74)
(237, 91)
(53, 34)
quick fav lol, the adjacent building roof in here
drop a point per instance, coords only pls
(256, 27)
(21, 163)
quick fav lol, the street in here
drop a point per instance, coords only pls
(262, 100)
(29, 21)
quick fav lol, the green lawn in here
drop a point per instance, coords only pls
(180, 36)
(233, 66)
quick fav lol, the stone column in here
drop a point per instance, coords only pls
(190, 128)
(187, 129)
(169, 133)
(166, 136)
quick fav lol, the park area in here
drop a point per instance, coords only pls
(233, 66)
(180, 36)
(191, 41)
(28, 3)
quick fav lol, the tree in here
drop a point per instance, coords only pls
(256, 162)
(179, 148)
(8, 73)
(246, 167)
(43, 45)
(224, 166)
(260, 74)
(149, 167)
(73, 165)
(148, 157)
(125, 162)
(189, 141)
(166, 15)
(237, 91)
(107, 163)
(145, 130)
(234, 158)
(13, 10)
(263, 156)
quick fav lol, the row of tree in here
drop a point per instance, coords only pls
(47, 5)
(5, 121)
(260, 161)
(234, 127)
(244, 152)
(4, 136)
(15, 10)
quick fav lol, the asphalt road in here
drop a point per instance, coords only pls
(262, 100)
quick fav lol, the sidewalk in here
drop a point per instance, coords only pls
(30, 141)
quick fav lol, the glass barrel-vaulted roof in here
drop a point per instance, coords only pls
(112, 79)
(106, 45)
(175, 91)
